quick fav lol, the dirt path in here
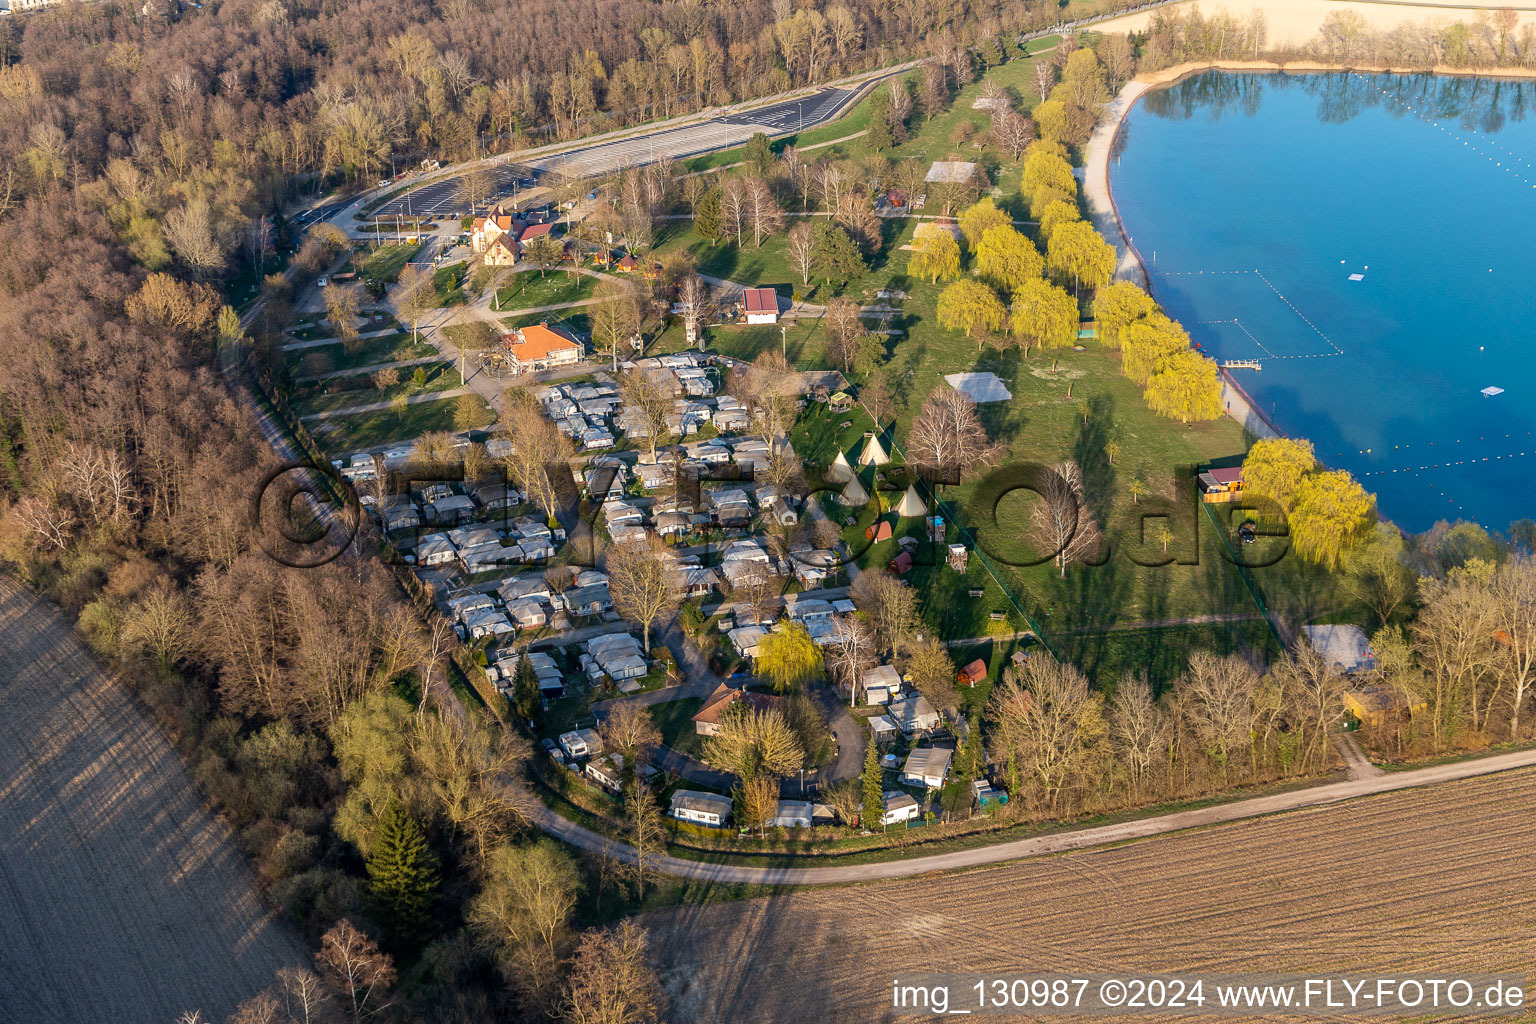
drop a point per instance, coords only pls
(1077, 839)
(1359, 765)
(121, 898)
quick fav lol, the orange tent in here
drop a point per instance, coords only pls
(878, 531)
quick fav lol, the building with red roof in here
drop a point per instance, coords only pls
(761, 305)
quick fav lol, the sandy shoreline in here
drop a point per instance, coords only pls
(1292, 24)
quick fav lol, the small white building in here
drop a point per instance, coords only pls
(882, 728)
(899, 807)
(927, 766)
(607, 772)
(435, 549)
(701, 808)
(581, 743)
(881, 685)
(760, 305)
(914, 715)
(487, 622)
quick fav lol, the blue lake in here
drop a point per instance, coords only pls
(1254, 199)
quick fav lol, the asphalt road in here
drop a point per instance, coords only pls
(443, 196)
(731, 129)
(1077, 839)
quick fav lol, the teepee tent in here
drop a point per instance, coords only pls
(911, 506)
(840, 472)
(873, 453)
(854, 495)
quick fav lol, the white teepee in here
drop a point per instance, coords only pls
(911, 506)
(854, 495)
(873, 453)
(841, 471)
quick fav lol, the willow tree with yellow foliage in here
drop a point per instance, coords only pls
(968, 305)
(1005, 259)
(937, 257)
(1116, 306)
(1275, 467)
(1185, 387)
(1145, 343)
(1043, 315)
(1330, 514)
(977, 219)
(1077, 251)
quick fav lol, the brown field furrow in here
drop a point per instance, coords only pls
(123, 898)
(1433, 879)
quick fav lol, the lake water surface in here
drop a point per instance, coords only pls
(1256, 200)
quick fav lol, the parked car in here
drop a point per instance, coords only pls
(384, 183)
(321, 282)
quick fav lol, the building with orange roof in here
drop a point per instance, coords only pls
(489, 228)
(539, 347)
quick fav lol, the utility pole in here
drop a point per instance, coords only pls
(784, 341)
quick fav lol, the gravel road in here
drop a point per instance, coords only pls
(121, 898)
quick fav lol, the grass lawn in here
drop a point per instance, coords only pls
(769, 265)
(390, 348)
(385, 262)
(675, 720)
(448, 282)
(527, 289)
(1043, 425)
(1163, 654)
(371, 429)
(343, 392)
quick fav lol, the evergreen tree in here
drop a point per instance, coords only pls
(525, 689)
(879, 137)
(402, 876)
(708, 220)
(874, 788)
(836, 255)
(759, 153)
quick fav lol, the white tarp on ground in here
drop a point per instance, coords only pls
(981, 387)
(955, 172)
(1344, 646)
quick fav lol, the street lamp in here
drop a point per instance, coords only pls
(800, 106)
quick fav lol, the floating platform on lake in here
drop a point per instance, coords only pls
(1489, 392)
(1242, 364)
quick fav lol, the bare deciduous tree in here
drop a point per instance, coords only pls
(801, 250)
(356, 969)
(852, 653)
(768, 387)
(611, 981)
(1061, 524)
(642, 576)
(615, 316)
(653, 404)
(629, 729)
(947, 438)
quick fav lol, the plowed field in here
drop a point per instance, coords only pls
(1435, 879)
(122, 899)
